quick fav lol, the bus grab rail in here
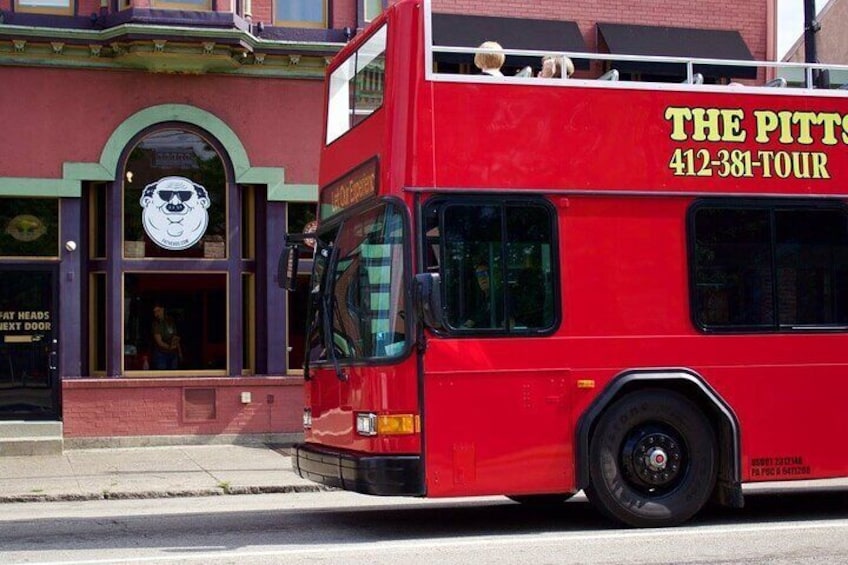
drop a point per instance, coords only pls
(809, 70)
(690, 62)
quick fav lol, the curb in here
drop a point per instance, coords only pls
(109, 495)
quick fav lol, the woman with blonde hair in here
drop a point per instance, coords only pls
(490, 58)
(552, 66)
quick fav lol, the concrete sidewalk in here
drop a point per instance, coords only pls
(149, 472)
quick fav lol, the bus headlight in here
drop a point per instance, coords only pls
(370, 424)
(307, 418)
(366, 424)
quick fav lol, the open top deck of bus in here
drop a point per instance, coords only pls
(582, 134)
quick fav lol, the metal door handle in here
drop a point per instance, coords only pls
(53, 356)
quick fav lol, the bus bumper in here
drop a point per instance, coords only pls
(385, 475)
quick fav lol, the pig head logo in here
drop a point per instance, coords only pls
(174, 212)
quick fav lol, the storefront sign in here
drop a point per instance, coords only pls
(174, 212)
(25, 321)
(351, 189)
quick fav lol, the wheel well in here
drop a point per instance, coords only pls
(692, 386)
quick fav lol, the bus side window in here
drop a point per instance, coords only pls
(492, 280)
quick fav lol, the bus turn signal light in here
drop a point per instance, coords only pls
(370, 424)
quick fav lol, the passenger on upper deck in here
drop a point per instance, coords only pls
(552, 66)
(491, 59)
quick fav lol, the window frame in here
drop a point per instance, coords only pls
(302, 23)
(368, 18)
(772, 206)
(340, 108)
(236, 269)
(25, 8)
(205, 6)
(441, 203)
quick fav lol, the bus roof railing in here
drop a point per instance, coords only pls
(801, 74)
(798, 76)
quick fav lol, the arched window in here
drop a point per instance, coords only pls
(172, 260)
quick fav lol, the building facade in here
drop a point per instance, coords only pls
(152, 155)
(831, 40)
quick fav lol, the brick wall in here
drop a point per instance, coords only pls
(749, 18)
(150, 407)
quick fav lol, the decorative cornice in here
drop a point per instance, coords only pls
(169, 49)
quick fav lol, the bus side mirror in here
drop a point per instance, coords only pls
(287, 266)
(428, 296)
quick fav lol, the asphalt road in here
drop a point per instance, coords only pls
(335, 527)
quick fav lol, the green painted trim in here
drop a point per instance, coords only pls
(107, 169)
(273, 177)
(294, 193)
(54, 188)
(86, 171)
(174, 113)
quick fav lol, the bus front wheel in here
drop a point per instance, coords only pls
(652, 459)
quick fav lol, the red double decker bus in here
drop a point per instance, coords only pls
(530, 287)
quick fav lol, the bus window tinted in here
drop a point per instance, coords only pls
(770, 268)
(496, 265)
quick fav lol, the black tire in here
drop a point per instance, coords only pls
(541, 499)
(652, 460)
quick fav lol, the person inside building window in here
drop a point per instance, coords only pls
(167, 352)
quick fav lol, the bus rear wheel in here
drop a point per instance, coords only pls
(652, 460)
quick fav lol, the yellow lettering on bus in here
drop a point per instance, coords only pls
(829, 122)
(678, 117)
(767, 123)
(820, 166)
(845, 128)
(707, 124)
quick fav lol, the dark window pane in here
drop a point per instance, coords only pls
(473, 276)
(29, 227)
(301, 219)
(496, 264)
(733, 272)
(98, 219)
(187, 333)
(530, 277)
(811, 256)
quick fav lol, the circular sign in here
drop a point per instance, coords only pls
(174, 212)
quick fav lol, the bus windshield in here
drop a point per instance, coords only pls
(358, 301)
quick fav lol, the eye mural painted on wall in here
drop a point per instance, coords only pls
(174, 212)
